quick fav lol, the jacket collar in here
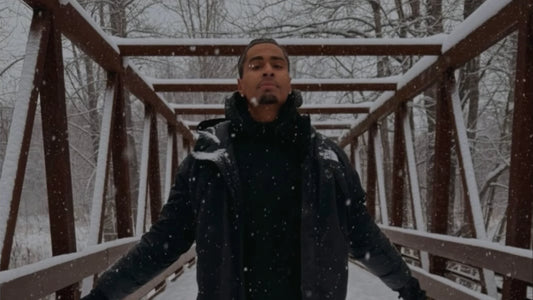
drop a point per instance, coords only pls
(289, 128)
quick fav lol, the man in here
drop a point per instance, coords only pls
(274, 207)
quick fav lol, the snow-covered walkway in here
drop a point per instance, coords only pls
(361, 286)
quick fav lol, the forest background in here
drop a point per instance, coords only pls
(485, 87)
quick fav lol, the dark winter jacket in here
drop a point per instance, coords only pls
(269, 157)
(205, 206)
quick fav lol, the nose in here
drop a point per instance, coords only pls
(268, 71)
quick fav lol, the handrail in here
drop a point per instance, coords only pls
(47, 276)
(510, 261)
(444, 289)
(145, 289)
(37, 280)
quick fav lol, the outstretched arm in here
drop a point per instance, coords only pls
(371, 247)
(168, 238)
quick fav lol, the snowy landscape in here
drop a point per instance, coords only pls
(482, 101)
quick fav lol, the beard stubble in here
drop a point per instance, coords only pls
(268, 99)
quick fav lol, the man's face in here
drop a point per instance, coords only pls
(265, 81)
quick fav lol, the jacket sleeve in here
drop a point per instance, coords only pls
(367, 243)
(168, 238)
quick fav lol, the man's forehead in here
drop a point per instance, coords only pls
(265, 50)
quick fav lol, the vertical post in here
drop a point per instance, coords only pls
(469, 182)
(353, 147)
(16, 157)
(102, 168)
(398, 163)
(98, 204)
(442, 169)
(357, 157)
(170, 160)
(121, 157)
(371, 173)
(521, 171)
(143, 173)
(154, 175)
(380, 169)
(176, 156)
(56, 154)
(414, 185)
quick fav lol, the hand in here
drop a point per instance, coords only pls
(95, 294)
(412, 291)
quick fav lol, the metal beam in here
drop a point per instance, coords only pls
(519, 219)
(98, 204)
(414, 188)
(441, 164)
(378, 154)
(121, 169)
(154, 175)
(371, 175)
(470, 190)
(170, 161)
(56, 154)
(216, 109)
(294, 47)
(52, 274)
(97, 213)
(516, 262)
(398, 166)
(143, 172)
(308, 85)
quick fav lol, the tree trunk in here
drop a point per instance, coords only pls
(415, 13)
(401, 16)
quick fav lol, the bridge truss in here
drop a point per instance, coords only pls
(43, 77)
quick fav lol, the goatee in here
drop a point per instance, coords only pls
(268, 99)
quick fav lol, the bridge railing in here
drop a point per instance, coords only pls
(43, 61)
(42, 78)
(513, 262)
(467, 41)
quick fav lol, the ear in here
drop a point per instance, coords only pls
(240, 86)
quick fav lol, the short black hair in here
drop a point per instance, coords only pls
(242, 58)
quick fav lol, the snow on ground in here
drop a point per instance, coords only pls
(361, 286)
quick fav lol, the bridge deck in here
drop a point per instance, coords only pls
(361, 286)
